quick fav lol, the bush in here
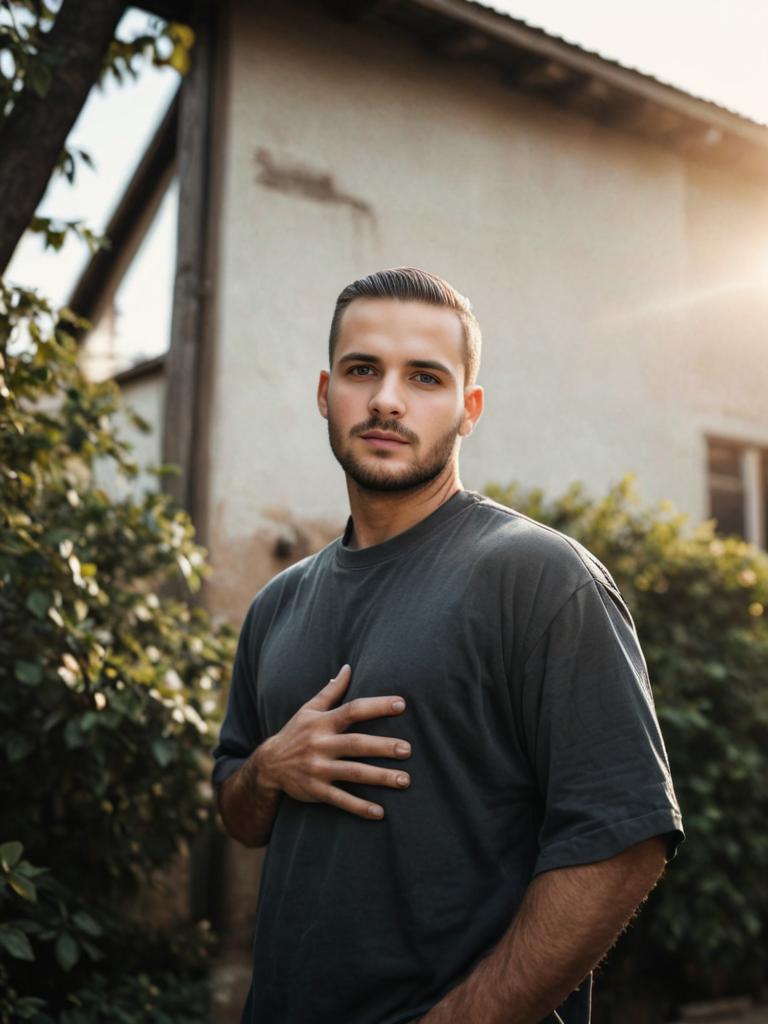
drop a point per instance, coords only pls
(699, 603)
(108, 682)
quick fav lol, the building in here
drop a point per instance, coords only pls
(611, 231)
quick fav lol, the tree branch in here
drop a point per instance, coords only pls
(37, 128)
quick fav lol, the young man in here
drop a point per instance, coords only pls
(463, 819)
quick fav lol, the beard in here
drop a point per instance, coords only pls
(380, 478)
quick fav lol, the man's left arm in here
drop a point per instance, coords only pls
(567, 921)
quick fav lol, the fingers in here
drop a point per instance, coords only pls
(363, 708)
(368, 774)
(359, 710)
(358, 744)
(354, 805)
(332, 692)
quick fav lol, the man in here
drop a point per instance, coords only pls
(463, 819)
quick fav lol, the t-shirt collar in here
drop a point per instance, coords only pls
(405, 541)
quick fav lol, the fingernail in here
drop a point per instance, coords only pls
(398, 705)
(376, 812)
(403, 748)
(403, 780)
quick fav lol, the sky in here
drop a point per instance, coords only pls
(714, 49)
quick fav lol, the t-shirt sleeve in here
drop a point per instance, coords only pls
(592, 735)
(240, 732)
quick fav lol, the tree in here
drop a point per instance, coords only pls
(107, 687)
(109, 677)
(700, 604)
(53, 59)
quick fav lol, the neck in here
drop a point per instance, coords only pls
(379, 515)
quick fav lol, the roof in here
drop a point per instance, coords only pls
(615, 62)
(555, 70)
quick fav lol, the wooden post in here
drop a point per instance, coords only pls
(181, 433)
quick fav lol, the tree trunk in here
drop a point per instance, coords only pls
(34, 134)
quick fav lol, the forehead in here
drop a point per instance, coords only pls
(396, 327)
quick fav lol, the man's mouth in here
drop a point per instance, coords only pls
(383, 439)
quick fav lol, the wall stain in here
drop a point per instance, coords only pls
(298, 178)
(243, 564)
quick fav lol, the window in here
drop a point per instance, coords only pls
(738, 489)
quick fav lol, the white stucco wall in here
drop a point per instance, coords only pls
(622, 291)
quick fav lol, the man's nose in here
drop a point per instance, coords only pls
(387, 399)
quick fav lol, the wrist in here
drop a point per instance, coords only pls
(264, 762)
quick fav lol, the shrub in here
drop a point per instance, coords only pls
(108, 681)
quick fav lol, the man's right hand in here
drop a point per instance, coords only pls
(303, 759)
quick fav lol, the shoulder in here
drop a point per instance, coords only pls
(533, 549)
(532, 569)
(284, 586)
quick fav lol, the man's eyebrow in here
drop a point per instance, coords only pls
(417, 364)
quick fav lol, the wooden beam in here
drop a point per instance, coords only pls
(153, 367)
(460, 42)
(180, 430)
(547, 74)
(515, 35)
(142, 190)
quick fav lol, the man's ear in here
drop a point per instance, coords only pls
(322, 393)
(473, 409)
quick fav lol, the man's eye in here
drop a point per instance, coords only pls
(360, 371)
(427, 378)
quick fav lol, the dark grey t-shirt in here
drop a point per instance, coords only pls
(535, 746)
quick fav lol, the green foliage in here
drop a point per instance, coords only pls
(109, 682)
(700, 605)
(54, 231)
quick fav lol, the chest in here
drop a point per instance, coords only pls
(438, 642)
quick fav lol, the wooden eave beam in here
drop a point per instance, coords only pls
(584, 65)
(147, 368)
(157, 158)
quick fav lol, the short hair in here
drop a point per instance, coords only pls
(410, 284)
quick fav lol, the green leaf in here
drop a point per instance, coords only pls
(23, 887)
(18, 746)
(86, 923)
(10, 854)
(16, 943)
(38, 603)
(89, 719)
(39, 77)
(164, 751)
(27, 1009)
(54, 717)
(31, 870)
(30, 672)
(73, 736)
(67, 951)
(92, 950)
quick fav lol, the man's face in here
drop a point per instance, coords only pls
(395, 396)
